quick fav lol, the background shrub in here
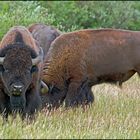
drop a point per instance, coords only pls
(22, 13)
(94, 14)
(70, 15)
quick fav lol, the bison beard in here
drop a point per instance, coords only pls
(19, 82)
(78, 60)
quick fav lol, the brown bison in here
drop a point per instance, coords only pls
(20, 67)
(44, 36)
(78, 60)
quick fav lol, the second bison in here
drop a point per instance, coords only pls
(78, 60)
(44, 35)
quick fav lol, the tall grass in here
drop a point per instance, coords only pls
(114, 114)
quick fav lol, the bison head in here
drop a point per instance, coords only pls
(18, 62)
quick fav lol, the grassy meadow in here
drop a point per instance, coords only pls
(115, 114)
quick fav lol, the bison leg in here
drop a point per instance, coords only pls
(33, 103)
(51, 101)
(78, 94)
(5, 115)
(4, 106)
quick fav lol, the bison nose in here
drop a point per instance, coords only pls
(17, 89)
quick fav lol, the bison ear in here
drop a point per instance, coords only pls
(39, 58)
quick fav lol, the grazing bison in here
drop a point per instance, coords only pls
(44, 36)
(20, 67)
(78, 60)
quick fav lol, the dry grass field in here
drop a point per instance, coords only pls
(114, 114)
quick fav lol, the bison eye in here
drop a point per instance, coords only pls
(34, 69)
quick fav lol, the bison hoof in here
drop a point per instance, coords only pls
(79, 101)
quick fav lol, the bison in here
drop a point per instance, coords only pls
(44, 36)
(78, 60)
(20, 67)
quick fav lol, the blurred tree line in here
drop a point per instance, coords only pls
(70, 15)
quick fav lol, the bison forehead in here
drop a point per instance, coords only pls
(18, 57)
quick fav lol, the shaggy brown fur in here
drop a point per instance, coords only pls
(78, 60)
(18, 48)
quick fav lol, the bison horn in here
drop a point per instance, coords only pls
(44, 88)
(1, 60)
(39, 58)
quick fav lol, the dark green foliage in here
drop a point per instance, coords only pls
(22, 13)
(70, 15)
(94, 14)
